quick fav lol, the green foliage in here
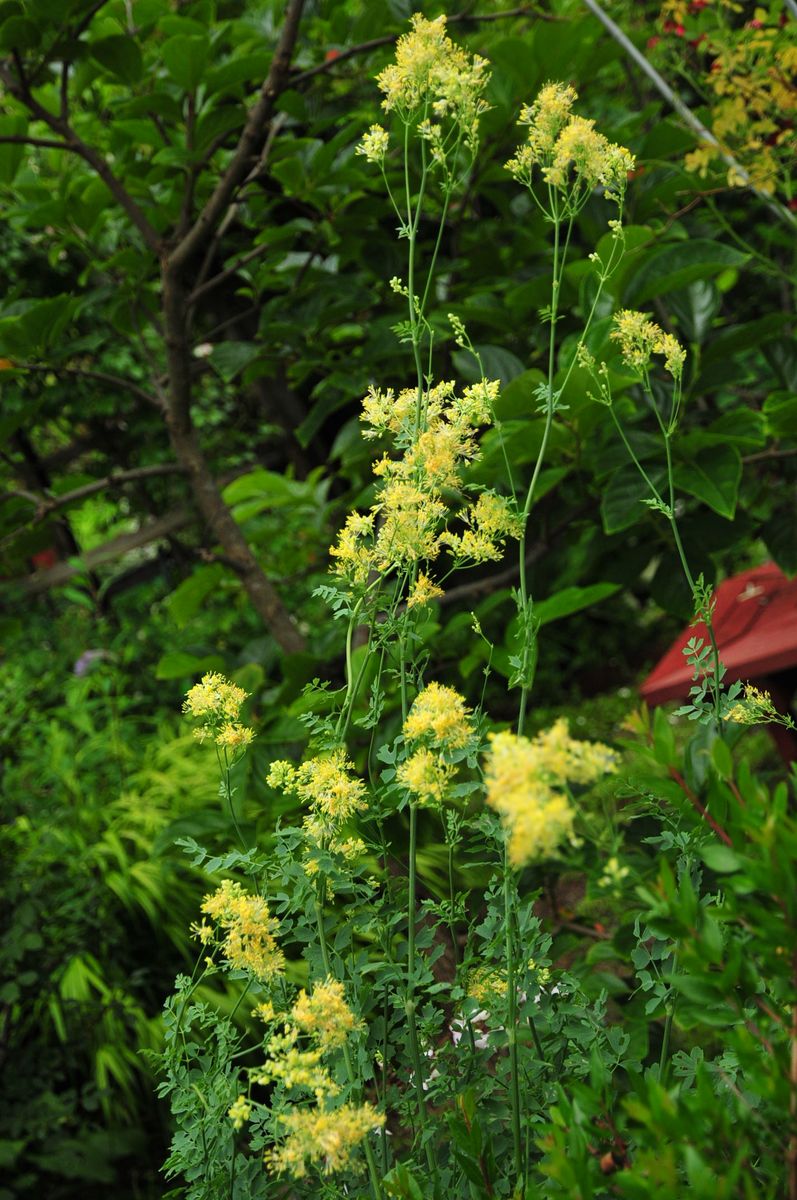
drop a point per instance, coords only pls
(671, 933)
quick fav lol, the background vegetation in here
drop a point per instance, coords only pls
(195, 302)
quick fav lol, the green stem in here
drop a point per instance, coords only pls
(413, 219)
(524, 598)
(511, 1032)
(409, 1004)
(664, 1057)
(716, 680)
(350, 1072)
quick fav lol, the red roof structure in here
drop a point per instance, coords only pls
(755, 624)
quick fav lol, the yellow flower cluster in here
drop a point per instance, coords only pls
(426, 775)
(439, 715)
(435, 78)
(240, 1112)
(492, 519)
(217, 703)
(570, 154)
(525, 781)
(249, 943)
(296, 1068)
(374, 145)
(751, 86)
(756, 708)
(424, 590)
(325, 784)
(325, 1015)
(441, 721)
(640, 338)
(408, 523)
(322, 1137)
(486, 985)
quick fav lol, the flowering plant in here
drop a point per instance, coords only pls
(379, 1036)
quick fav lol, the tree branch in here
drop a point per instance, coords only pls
(45, 505)
(684, 112)
(524, 10)
(117, 381)
(46, 143)
(239, 165)
(217, 280)
(773, 452)
(21, 89)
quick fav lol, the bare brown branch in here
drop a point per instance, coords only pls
(253, 133)
(115, 381)
(524, 10)
(20, 87)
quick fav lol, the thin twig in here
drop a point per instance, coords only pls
(524, 10)
(228, 272)
(45, 505)
(11, 139)
(684, 112)
(695, 801)
(118, 381)
(207, 261)
(238, 167)
(773, 452)
(21, 89)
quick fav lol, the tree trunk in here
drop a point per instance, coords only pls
(219, 520)
(188, 452)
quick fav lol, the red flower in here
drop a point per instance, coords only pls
(653, 42)
(331, 55)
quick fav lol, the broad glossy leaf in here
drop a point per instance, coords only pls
(11, 156)
(230, 358)
(120, 57)
(622, 500)
(186, 600)
(713, 476)
(780, 410)
(250, 69)
(721, 859)
(179, 664)
(18, 33)
(571, 600)
(695, 308)
(743, 427)
(781, 354)
(497, 363)
(677, 264)
(186, 58)
(517, 397)
(733, 339)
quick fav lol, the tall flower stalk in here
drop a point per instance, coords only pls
(390, 563)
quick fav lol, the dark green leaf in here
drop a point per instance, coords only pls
(677, 264)
(780, 410)
(18, 33)
(570, 600)
(120, 56)
(186, 59)
(621, 502)
(713, 476)
(230, 358)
